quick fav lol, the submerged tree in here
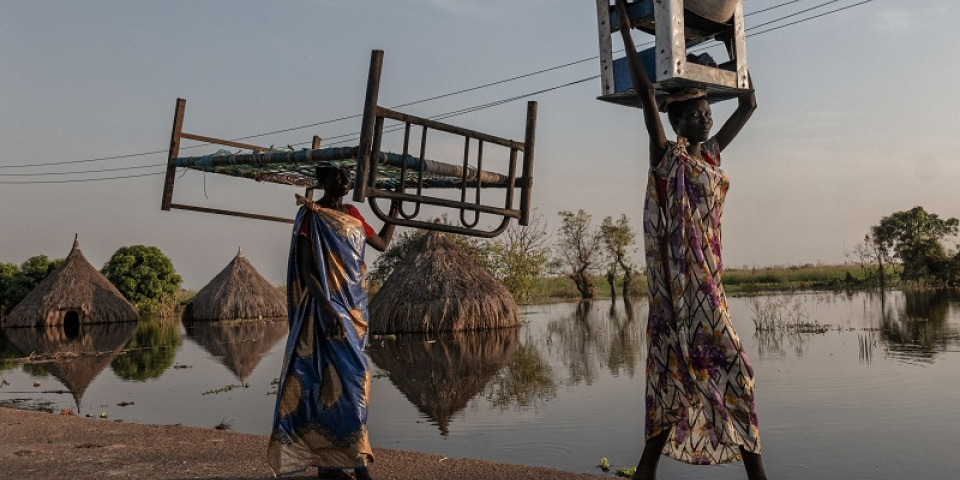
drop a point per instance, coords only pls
(145, 276)
(520, 257)
(617, 238)
(915, 238)
(577, 250)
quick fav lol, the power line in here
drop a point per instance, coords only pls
(79, 180)
(102, 170)
(349, 117)
(463, 111)
(778, 27)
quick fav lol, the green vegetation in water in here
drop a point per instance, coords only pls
(622, 472)
(225, 388)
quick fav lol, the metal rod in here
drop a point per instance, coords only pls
(377, 140)
(513, 178)
(446, 127)
(229, 143)
(367, 128)
(316, 146)
(530, 138)
(439, 226)
(172, 154)
(442, 202)
(231, 213)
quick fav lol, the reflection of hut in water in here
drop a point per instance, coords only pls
(238, 345)
(441, 373)
(76, 358)
(439, 288)
(238, 291)
(72, 295)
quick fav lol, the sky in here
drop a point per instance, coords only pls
(857, 117)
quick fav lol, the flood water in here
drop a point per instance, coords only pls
(868, 386)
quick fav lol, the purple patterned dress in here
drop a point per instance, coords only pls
(699, 382)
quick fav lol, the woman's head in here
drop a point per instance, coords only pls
(691, 118)
(334, 180)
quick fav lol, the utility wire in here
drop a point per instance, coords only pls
(437, 117)
(80, 180)
(349, 117)
(102, 170)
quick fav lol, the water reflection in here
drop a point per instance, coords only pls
(592, 338)
(915, 325)
(527, 381)
(73, 358)
(151, 350)
(9, 354)
(440, 373)
(238, 344)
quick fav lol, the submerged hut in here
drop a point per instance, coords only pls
(440, 374)
(237, 292)
(439, 288)
(74, 294)
(75, 357)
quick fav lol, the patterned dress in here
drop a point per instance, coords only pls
(699, 382)
(321, 411)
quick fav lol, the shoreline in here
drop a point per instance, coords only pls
(39, 445)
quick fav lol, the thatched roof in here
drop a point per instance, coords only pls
(77, 359)
(238, 291)
(441, 373)
(239, 345)
(438, 288)
(75, 286)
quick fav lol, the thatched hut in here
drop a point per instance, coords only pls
(237, 292)
(73, 294)
(238, 345)
(441, 373)
(439, 288)
(75, 357)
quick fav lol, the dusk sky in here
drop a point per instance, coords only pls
(857, 118)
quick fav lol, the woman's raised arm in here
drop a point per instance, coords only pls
(643, 87)
(747, 104)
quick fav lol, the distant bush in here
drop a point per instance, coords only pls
(16, 283)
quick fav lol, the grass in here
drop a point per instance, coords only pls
(736, 281)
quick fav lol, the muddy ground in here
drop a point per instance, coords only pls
(43, 446)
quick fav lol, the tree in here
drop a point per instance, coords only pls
(617, 238)
(7, 271)
(871, 251)
(18, 283)
(577, 251)
(915, 238)
(145, 276)
(520, 257)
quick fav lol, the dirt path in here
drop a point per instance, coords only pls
(43, 446)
